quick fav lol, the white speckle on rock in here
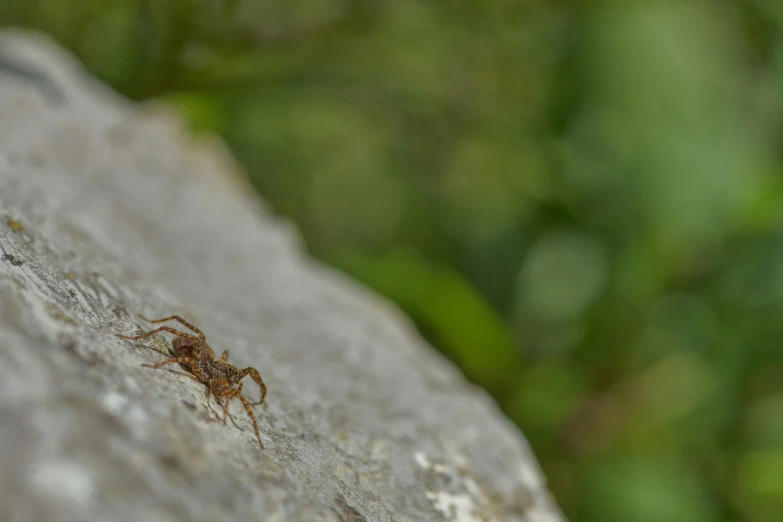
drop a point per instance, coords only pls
(64, 481)
(441, 469)
(541, 516)
(457, 457)
(138, 419)
(118, 404)
(115, 402)
(472, 487)
(455, 508)
(421, 459)
(529, 478)
(379, 450)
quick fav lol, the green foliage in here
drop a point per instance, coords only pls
(644, 489)
(579, 203)
(448, 309)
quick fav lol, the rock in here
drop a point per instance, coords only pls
(110, 211)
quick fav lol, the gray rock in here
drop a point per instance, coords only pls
(108, 211)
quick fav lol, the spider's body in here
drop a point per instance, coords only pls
(195, 356)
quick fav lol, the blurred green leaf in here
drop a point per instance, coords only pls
(445, 306)
(759, 485)
(643, 488)
(203, 112)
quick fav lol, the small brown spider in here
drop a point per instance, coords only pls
(197, 358)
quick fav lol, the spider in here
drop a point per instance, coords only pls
(195, 356)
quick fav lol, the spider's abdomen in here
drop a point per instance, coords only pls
(184, 347)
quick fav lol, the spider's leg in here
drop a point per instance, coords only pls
(233, 393)
(189, 376)
(207, 395)
(161, 329)
(225, 408)
(178, 319)
(253, 373)
(192, 363)
(217, 387)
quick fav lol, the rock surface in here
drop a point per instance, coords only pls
(109, 211)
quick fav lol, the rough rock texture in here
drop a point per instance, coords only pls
(107, 211)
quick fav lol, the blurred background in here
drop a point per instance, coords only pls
(580, 203)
